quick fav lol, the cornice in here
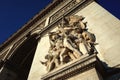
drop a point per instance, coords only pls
(65, 13)
(42, 14)
(73, 68)
(31, 22)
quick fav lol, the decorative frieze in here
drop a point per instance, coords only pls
(65, 9)
(78, 66)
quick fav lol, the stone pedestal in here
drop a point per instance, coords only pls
(80, 69)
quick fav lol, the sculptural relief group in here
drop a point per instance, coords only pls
(70, 41)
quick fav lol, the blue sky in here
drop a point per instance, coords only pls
(15, 13)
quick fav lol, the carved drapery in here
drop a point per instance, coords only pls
(70, 41)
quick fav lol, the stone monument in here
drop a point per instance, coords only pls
(68, 40)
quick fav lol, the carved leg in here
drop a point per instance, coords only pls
(50, 66)
(72, 56)
(76, 55)
(56, 62)
(69, 45)
(83, 48)
(63, 52)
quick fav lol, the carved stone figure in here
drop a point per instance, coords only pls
(60, 49)
(49, 64)
(69, 42)
(89, 41)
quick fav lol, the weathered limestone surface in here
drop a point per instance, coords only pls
(37, 69)
(107, 31)
(88, 75)
(106, 28)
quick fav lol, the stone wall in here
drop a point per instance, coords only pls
(87, 75)
(106, 28)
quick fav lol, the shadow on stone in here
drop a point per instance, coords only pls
(109, 73)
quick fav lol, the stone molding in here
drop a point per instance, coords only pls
(40, 31)
(64, 9)
(37, 29)
(31, 22)
(15, 46)
(71, 6)
(69, 70)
